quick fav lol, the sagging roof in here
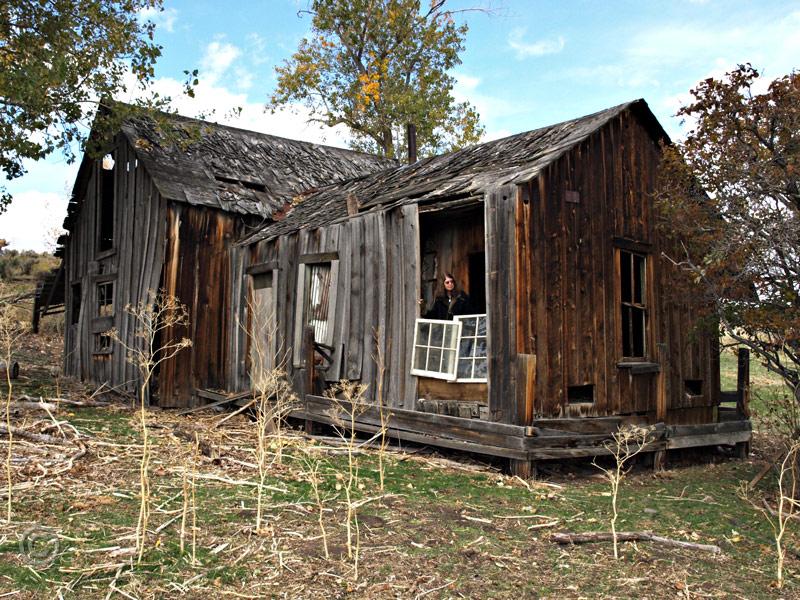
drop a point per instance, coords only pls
(236, 170)
(464, 173)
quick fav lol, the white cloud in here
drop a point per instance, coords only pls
(217, 60)
(33, 221)
(526, 49)
(164, 18)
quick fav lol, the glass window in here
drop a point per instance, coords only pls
(435, 348)
(452, 350)
(105, 299)
(473, 363)
(633, 305)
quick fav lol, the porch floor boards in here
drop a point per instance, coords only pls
(547, 439)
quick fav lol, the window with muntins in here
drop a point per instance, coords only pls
(473, 363)
(105, 299)
(452, 350)
(633, 304)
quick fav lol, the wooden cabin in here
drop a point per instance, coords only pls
(161, 211)
(577, 326)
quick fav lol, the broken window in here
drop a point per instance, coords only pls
(316, 296)
(452, 350)
(102, 343)
(105, 299)
(633, 304)
(105, 207)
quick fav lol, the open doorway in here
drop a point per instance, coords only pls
(452, 241)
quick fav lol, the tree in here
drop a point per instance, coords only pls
(730, 195)
(58, 59)
(378, 65)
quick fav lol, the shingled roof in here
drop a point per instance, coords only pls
(236, 170)
(465, 173)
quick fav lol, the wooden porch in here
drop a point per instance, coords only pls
(546, 439)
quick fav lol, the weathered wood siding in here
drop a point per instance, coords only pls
(197, 271)
(376, 298)
(571, 222)
(133, 265)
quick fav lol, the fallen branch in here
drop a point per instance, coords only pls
(630, 536)
(33, 405)
(33, 437)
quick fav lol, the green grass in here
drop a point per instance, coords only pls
(465, 533)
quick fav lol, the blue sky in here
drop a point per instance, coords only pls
(527, 64)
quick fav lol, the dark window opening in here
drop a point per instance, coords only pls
(102, 343)
(105, 236)
(580, 394)
(477, 281)
(105, 299)
(106, 212)
(75, 310)
(694, 387)
(633, 307)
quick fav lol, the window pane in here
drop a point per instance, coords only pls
(625, 275)
(448, 360)
(465, 348)
(437, 335)
(638, 331)
(482, 326)
(638, 279)
(627, 349)
(480, 348)
(420, 357)
(481, 368)
(434, 360)
(424, 331)
(464, 368)
(468, 327)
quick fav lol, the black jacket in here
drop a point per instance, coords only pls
(444, 308)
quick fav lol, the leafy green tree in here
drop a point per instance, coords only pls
(730, 195)
(378, 65)
(58, 59)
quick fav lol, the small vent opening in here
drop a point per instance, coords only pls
(580, 394)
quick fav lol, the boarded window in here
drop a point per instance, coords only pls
(105, 299)
(263, 328)
(633, 306)
(105, 209)
(473, 364)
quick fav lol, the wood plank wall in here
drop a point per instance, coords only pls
(198, 272)
(134, 265)
(377, 291)
(568, 296)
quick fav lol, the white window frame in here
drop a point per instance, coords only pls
(473, 358)
(450, 376)
(303, 271)
(447, 375)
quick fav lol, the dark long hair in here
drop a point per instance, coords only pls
(456, 291)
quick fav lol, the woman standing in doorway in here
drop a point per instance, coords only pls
(452, 302)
